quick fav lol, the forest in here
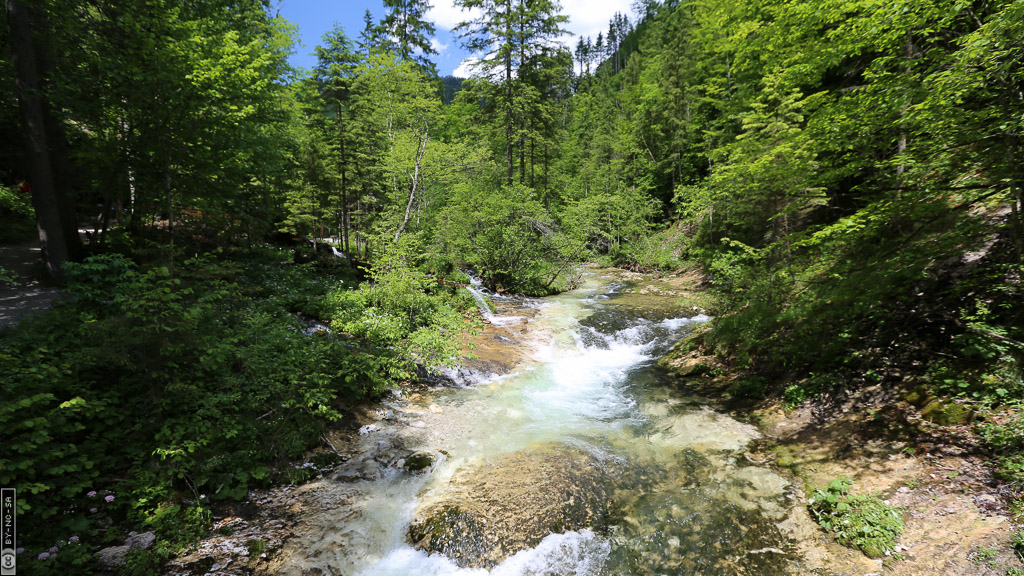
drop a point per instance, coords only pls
(846, 176)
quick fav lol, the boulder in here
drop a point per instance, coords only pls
(418, 462)
(492, 510)
(947, 414)
(142, 541)
(111, 558)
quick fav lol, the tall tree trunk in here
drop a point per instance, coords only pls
(169, 198)
(344, 186)
(533, 162)
(34, 112)
(508, 89)
(415, 181)
(57, 140)
(545, 171)
(1016, 198)
(521, 41)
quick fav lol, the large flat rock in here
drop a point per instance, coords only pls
(490, 511)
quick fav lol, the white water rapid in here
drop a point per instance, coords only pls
(677, 496)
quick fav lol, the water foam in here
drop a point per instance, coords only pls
(584, 370)
(485, 310)
(570, 554)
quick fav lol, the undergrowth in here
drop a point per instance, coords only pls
(858, 520)
(17, 217)
(161, 388)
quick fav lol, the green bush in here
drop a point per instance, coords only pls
(1018, 542)
(7, 277)
(510, 239)
(17, 217)
(1003, 432)
(158, 387)
(753, 387)
(861, 521)
(404, 316)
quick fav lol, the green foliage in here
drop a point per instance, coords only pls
(986, 556)
(861, 521)
(180, 384)
(403, 315)
(811, 387)
(65, 556)
(407, 33)
(7, 277)
(507, 236)
(619, 226)
(826, 190)
(178, 529)
(1018, 542)
(1003, 431)
(17, 217)
(795, 395)
(988, 365)
(753, 387)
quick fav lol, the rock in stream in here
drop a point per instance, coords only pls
(490, 511)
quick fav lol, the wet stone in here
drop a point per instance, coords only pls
(418, 462)
(491, 511)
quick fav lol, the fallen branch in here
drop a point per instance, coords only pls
(1006, 339)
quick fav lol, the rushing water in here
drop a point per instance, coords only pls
(678, 496)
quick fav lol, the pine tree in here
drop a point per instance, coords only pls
(334, 74)
(408, 33)
(369, 38)
(515, 36)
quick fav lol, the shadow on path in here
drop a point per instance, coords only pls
(30, 293)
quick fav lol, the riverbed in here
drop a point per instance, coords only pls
(569, 452)
(563, 448)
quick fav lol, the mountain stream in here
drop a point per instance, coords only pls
(565, 450)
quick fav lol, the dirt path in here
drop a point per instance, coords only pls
(30, 293)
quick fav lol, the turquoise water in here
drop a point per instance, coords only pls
(681, 497)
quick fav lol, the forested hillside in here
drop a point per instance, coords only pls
(847, 176)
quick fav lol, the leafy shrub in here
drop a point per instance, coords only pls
(988, 363)
(157, 386)
(17, 217)
(508, 236)
(795, 395)
(1004, 434)
(754, 387)
(861, 521)
(405, 316)
(811, 387)
(7, 277)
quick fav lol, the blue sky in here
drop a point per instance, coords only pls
(314, 17)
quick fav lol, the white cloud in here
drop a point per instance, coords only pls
(586, 17)
(438, 46)
(447, 15)
(467, 68)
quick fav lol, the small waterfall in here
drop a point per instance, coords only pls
(688, 499)
(485, 310)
